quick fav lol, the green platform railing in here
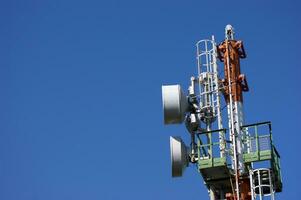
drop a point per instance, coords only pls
(258, 145)
(257, 142)
(209, 153)
(214, 153)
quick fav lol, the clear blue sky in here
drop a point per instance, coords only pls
(80, 92)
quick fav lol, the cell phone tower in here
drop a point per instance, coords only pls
(239, 162)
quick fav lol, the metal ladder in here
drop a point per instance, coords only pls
(208, 81)
(261, 184)
(209, 92)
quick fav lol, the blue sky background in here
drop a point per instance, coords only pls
(80, 85)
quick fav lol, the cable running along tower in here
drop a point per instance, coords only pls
(239, 162)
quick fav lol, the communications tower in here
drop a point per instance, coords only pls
(237, 161)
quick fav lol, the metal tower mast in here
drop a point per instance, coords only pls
(227, 158)
(230, 51)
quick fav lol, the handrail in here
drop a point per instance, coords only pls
(213, 131)
(274, 148)
(256, 124)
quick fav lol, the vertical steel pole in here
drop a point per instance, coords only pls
(251, 184)
(218, 100)
(233, 133)
(259, 185)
